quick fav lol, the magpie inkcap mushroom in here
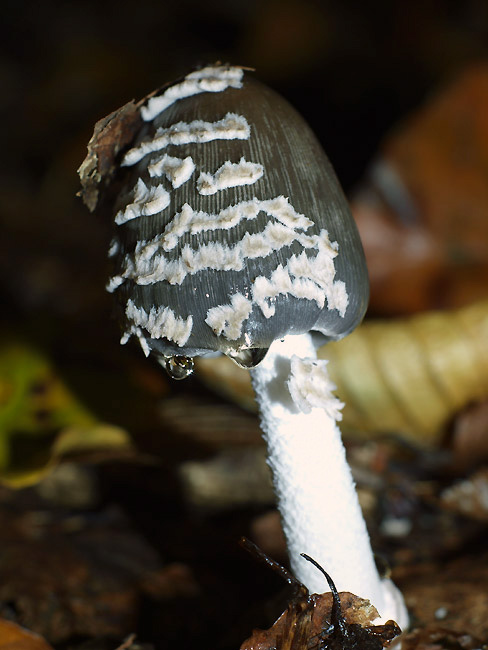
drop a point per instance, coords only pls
(233, 236)
(232, 230)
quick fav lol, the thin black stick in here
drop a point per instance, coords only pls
(261, 555)
(336, 613)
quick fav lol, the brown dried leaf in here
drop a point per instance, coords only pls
(128, 643)
(112, 134)
(14, 637)
(308, 618)
(328, 621)
(175, 580)
(422, 210)
(233, 477)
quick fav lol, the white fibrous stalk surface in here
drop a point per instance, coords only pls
(315, 490)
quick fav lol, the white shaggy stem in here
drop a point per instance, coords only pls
(314, 486)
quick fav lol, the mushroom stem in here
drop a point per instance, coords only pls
(315, 490)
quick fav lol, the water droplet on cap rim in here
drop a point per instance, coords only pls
(178, 367)
(248, 357)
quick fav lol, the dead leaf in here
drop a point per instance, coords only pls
(311, 618)
(422, 209)
(112, 134)
(82, 439)
(14, 637)
(328, 621)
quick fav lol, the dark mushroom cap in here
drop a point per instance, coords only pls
(238, 237)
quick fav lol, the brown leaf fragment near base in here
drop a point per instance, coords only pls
(112, 134)
(14, 637)
(329, 621)
(436, 638)
(307, 623)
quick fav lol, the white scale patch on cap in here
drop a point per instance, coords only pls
(304, 277)
(148, 264)
(227, 320)
(114, 247)
(308, 276)
(136, 331)
(147, 201)
(160, 322)
(211, 79)
(176, 170)
(229, 175)
(230, 127)
(114, 283)
(192, 222)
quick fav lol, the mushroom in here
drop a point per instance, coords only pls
(233, 236)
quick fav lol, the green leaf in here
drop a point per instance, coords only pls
(41, 419)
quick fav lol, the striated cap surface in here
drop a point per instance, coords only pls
(232, 230)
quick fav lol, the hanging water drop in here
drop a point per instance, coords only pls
(178, 367)
(248, 357)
